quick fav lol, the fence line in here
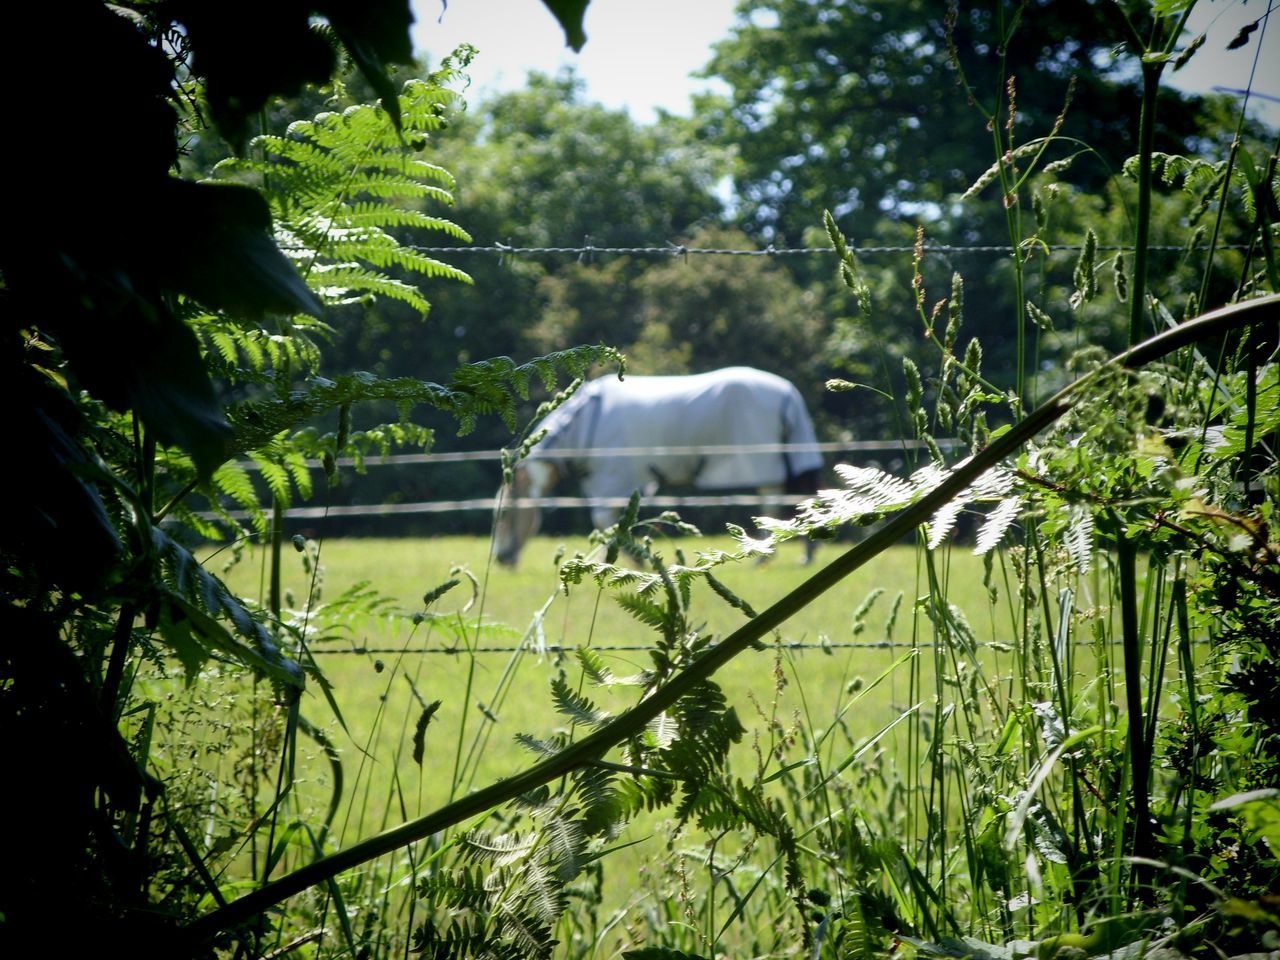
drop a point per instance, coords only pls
(489, 503)
(461, 456)
(679, 250)
(429, 507)
(558, 648)
(1000, 646)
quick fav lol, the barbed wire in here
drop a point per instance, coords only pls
(427, 507)
(462, 456)
(680, 250)
(1000, 646)
(489, 503)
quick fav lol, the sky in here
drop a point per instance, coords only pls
(639, 53)
(637, 57)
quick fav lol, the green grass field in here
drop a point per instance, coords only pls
(475, 651)
(489, 697)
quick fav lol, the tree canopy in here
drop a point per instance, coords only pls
(874, 108)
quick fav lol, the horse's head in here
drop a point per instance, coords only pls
(516, 522)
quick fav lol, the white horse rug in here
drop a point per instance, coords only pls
(736, 406)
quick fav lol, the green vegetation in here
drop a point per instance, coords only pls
(1070, 747)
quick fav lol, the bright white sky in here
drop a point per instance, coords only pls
(639, 53)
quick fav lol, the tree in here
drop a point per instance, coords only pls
(540, 167)
(885, 114)
(857, 106)
(690, 314)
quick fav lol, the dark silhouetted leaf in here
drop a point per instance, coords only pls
(1241, 38)
(420, 733)
(570, 14)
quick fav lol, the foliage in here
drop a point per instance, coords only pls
(886, 114)
(119, 416)
(861, 95)
(1090, 795)
(538, 167)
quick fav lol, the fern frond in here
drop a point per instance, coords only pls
(276, 478)
(603, 806)
(500, 850)
(232, 480)
(465, 888)
(295, 463)
(569, 703)
(341, 283)
(530, 938)
(1079, 536)
(545, 748)
(565, 845)
(646, 611)
(997, 525)
(665, 729)
(944, 521)
(593, 666)
(194, 606)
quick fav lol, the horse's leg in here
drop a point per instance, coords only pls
(805, 484)
(772, 510)
(810, 545)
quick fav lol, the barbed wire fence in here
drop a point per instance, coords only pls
(532, 646)
(575, 453)
(586, 252)
(675, 250)
(559, 649)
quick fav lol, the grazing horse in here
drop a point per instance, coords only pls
(735, 406)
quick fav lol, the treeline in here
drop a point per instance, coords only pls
(886, 128)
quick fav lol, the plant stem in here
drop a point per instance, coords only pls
(1142, 238)
(1139, 757)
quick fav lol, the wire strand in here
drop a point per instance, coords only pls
(679, 250)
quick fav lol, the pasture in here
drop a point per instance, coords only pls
(839, 668)
(500, 691)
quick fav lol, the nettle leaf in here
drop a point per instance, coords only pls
(252, 53)
(228, 259)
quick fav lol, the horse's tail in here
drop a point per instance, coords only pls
(803, 466)
(803, 484)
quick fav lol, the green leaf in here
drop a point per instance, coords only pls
(375, 33)
(227, 258)
(1261, 811)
